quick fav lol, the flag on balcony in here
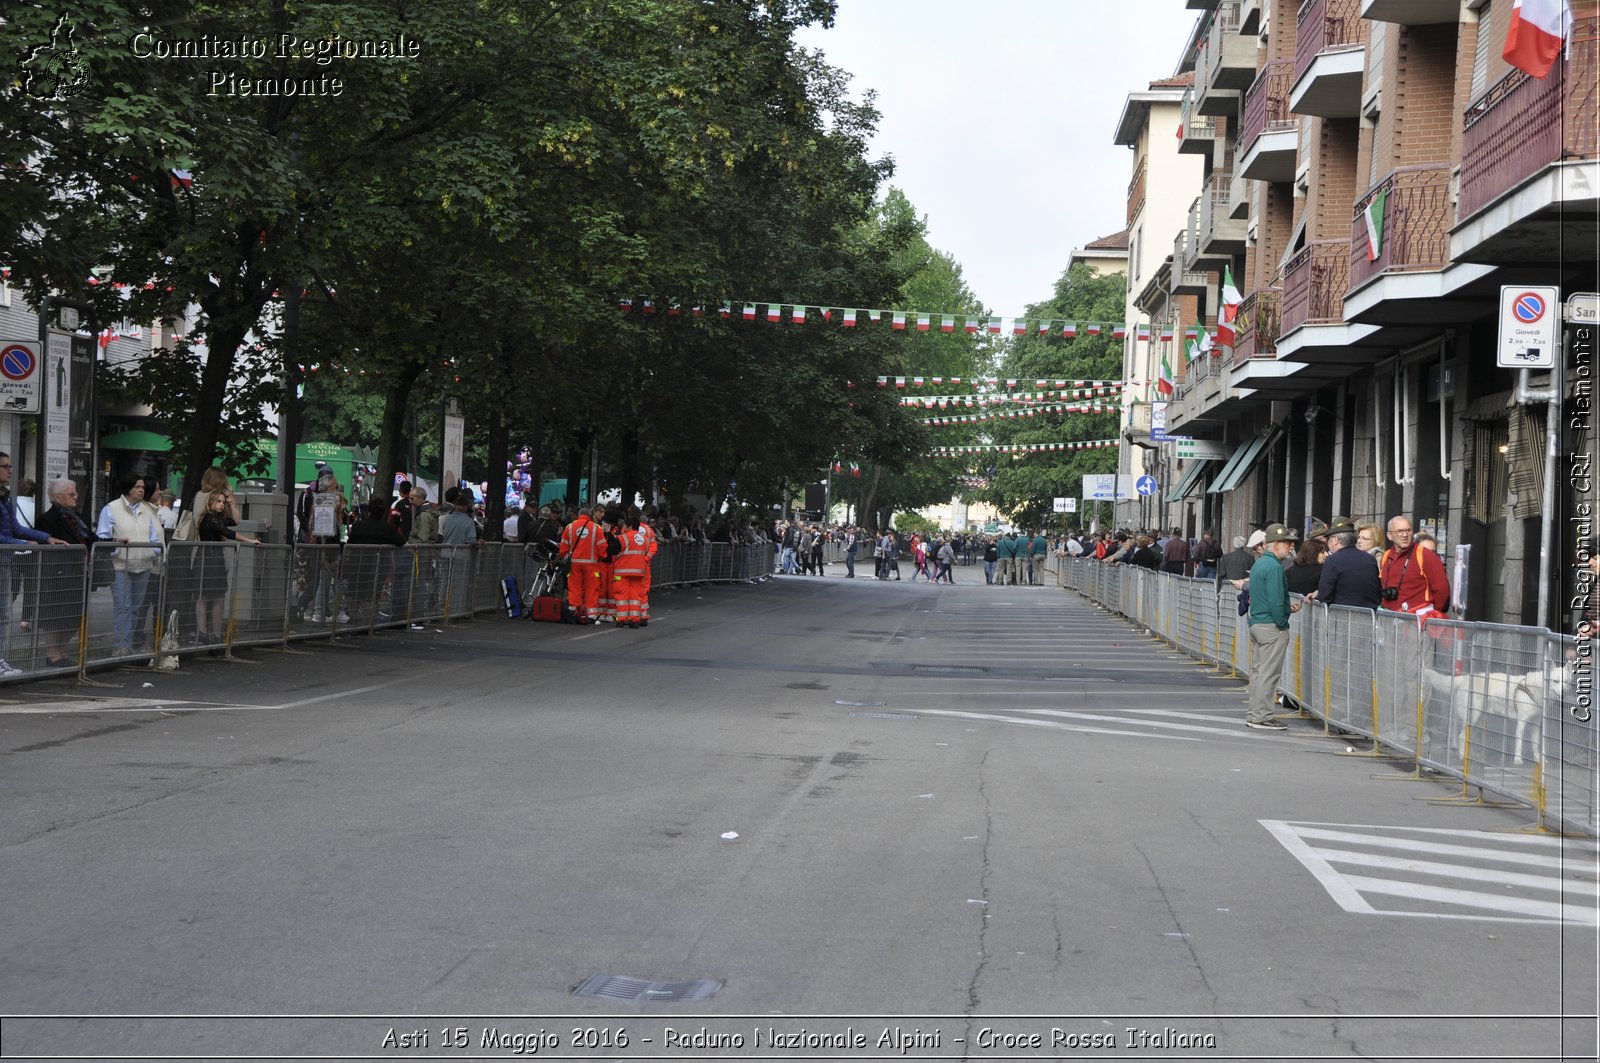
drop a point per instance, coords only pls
(1537, 29)
(1227, 335)
(1375, 224)
(1167, 383)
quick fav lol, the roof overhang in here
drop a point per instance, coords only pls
(1136, 113)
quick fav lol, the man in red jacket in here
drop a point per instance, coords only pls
(1413, 578)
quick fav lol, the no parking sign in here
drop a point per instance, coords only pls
(21, 380)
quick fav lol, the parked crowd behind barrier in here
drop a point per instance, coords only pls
(67, 610)
(1492, 705)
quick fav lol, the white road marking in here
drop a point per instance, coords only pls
(1044, 723)
(1349, 891)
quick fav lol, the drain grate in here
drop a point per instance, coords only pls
(886, 715)
(858, 704)
(957, 669)
(621, 987)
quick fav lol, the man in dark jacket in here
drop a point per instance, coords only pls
(1235, 565)
(1349, 576)
(1174, 553)
(367, 568)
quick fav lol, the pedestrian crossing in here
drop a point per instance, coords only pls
(1441, 873)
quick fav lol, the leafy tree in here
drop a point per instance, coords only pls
(1023, 485)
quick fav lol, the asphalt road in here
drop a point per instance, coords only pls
(888, 815)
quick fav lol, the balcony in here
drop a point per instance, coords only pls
(1411, 12)
(1270, 135)
(1186, 245)
(1329, 59)
(1220, 236)
(1416, 224)
(1314, 283)
(1257, 326)
(1136, 190)
(1225, 64)
(1239, 198)
(1199, 135)
(1529, 170)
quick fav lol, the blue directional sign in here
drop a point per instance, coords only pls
(1146, 485)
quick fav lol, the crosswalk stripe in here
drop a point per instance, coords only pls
(1415, 880)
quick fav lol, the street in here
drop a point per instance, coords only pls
(939, 811)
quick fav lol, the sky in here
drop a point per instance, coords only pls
(999, 116)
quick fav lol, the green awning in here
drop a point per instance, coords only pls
(136, 440)
(1186, 483)
(1244, 459)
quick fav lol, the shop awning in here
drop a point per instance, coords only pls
(1188, 481)
(136, 439)
(1244, 459)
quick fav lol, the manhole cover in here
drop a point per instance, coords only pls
(886, 715)
(858, 704)
(621, 987)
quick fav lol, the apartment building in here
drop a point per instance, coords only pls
(1107, 255)
(1373, 173)
(1158, 194)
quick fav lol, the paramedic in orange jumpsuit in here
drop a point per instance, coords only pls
(632, 572)
(583, 543)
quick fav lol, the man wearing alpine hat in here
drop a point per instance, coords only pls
(1269, 625)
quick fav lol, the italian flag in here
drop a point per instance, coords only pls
(1044, 326)
(1537, 29)
(1119, 331)
(849, 319)
(972, 324)
(1018, 326)
(1069, 329)
(948, 324)
(1227, 335)
(1167, 384)
(855, 470)
(1093, 328)
(900, 320)
(1374, 215)
(749, 311)
(774, 312)
(923, 322)
(1142, 334)
(798, 315)
(994, 325)
(1166, 333)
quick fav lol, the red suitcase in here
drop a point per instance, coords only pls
(546, 607)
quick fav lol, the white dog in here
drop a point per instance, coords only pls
(1517, 698)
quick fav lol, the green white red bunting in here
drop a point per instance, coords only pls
(1025, 448)
(918, 320)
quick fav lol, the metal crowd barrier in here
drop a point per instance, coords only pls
(1494, 706)
(65, 610)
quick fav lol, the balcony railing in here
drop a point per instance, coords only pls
(1416, 224)
(1314, 283)
(1257, 326)
(1222, 23)
(1522, 124)
(1266, 103)
(1215, 223)
(1325, 25)
(1136, 190)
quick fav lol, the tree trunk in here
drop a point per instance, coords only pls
(575, 456)
(536, 457)
(628, 475)
(392, 432)
(865, 506)
(495, 503)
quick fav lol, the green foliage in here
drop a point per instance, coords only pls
(1024, 485)
(911, 522)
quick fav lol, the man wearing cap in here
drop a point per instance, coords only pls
(1270, 608)
(1349, 576)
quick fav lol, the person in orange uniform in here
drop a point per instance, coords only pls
(583, 543)
(610, 521)
(631, 571)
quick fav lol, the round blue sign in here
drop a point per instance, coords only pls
(17, 362)
(1146, 485)
(1529, 307)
